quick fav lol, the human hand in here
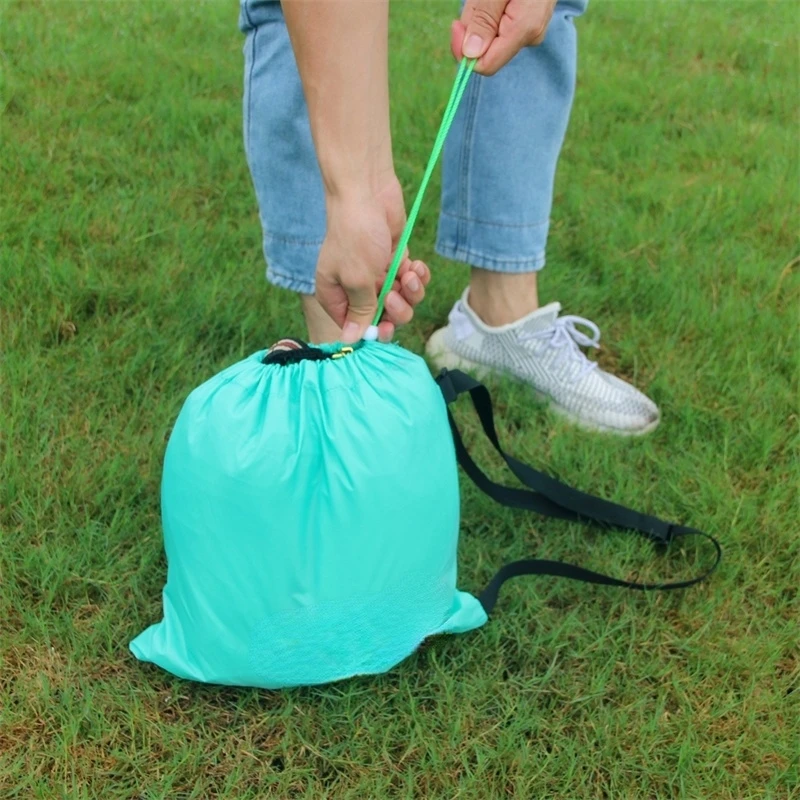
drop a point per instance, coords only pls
(494, 31)
(362, 235)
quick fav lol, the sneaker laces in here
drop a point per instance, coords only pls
(565, 336)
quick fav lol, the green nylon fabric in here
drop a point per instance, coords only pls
(460, 84)
(310, 515)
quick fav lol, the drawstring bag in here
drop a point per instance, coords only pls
(310, 508)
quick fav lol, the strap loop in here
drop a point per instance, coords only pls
(546, 495)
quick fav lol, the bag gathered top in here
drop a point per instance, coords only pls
(310, 507)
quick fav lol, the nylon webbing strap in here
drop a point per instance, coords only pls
(460, 84)
(550, 497)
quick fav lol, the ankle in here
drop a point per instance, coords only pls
(499, 298)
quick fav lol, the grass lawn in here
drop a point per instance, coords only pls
(131, 271)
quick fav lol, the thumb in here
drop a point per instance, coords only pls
(482, 18)
(362, 303)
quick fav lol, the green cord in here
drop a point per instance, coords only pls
(460, 84)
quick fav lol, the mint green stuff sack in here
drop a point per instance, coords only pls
(311, 515)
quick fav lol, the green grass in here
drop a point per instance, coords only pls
(131, 271)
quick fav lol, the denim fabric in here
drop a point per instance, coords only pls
(500, 156)
(280, 152)
(499, 160)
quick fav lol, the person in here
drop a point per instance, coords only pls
(318, 145)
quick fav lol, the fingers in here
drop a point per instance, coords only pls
(362, 303)
(397, 310)
(457, 31)
(423, 271)
(385, 332)
(500, 52)
(514, 36)
(482, 21)
(359, 304)
(412, 288)
(418, 267)
(407, 291)
(494, 31)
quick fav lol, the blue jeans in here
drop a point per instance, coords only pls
(499, 160)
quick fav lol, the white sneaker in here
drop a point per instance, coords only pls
(542, 349)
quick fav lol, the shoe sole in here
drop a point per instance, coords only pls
(444, 358)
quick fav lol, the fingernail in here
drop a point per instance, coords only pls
(473, 46)
(413, 284)
(350, 332)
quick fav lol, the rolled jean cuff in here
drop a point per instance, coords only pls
(291, 264)
(492, 246)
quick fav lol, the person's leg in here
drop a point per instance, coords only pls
(282, 160)
(497, 191)
(499, 168)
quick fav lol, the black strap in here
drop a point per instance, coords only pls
(550, 497)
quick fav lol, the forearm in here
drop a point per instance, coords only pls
(341, 48)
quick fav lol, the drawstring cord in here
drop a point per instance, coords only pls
(462, 76)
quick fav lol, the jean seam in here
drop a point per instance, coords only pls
(538, 224)
(247, 14)
(458, 252)
(295, 284)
